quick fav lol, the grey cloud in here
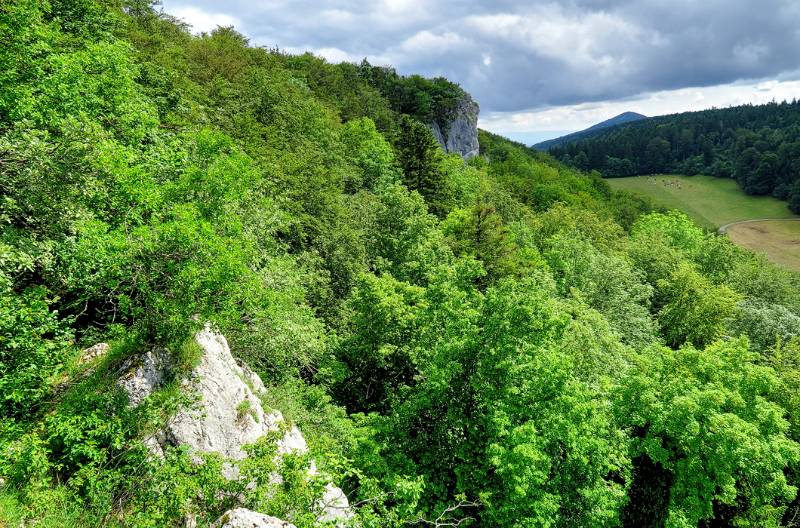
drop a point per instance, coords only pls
(517, 54)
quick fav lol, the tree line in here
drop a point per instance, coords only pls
(756, 145)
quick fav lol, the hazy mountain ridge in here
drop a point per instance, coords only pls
(621, 119)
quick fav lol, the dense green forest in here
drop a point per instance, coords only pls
(499, 342)
(757, 145)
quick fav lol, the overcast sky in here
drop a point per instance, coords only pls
(539, 69)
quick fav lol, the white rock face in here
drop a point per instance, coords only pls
(95, 351)
(462, 131)
(228, 413)
(226, 416)
(242, 518)
(334, 506)
(140, 380)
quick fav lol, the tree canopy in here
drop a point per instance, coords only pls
(503, 341)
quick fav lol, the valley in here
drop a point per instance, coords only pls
(716, 203)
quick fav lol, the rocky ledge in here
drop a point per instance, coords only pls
(460, 135)
(216, 422)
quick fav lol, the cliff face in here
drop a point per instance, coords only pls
(460, 135)
(226, 415)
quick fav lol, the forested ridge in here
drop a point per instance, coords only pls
(755, 144)
(499, 342)
(625, 117)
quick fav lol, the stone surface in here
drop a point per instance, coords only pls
(226, 416)
(243, 518)
(144, 374)
(228, 412)
(95, 351)
(334, 505)
(462, 130)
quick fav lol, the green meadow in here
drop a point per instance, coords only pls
(711, 202)
(716, 202)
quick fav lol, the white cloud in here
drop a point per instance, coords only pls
(402, 6)
(336, 55)
(425, 42)
(581, 116)
(203, 21)
(596, 41)
(522, 55)
(338, 17)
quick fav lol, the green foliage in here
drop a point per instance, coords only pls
(707, 436)
(479, 232)
(534, 181)
(178, 487)
(34, 344)
(498, 390)
(608, 284)
(50, 508)
(420, 157)
(561, 221)
(378, 358)
(764, 324)
(50, 76)
(756, 278)
(677, 229)
(90, 438)
(427, 100)
(694, 310)
(371, 153)
(346, 88)
(785, 359)
(329, 430)
(534, 486)
(400, 236)
(496, 319)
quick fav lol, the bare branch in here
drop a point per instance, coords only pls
(446, 519)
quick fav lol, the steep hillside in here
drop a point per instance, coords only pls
(621, 119)
(245, 288)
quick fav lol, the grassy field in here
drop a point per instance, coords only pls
(779, 239)
(714, 202)
(711, 202)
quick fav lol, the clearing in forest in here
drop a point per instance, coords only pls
(717, 202)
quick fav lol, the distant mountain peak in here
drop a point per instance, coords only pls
(624, 117)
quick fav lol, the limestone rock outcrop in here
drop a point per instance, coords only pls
(460, 134)
(243, 518)
(95, 351)
(226, 415)
(334, 506)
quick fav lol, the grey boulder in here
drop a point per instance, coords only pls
(226, 415)
(243, 518)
